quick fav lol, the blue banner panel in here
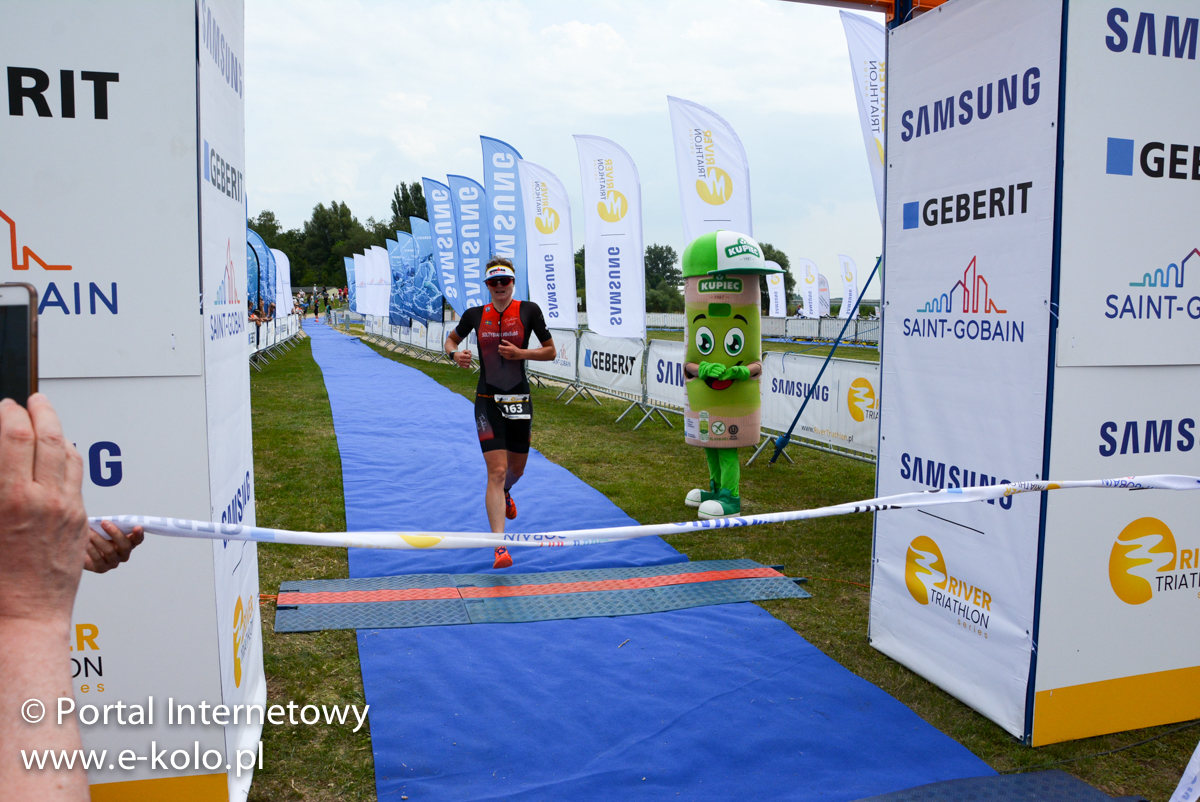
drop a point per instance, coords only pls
(265, 285)
(468, 199)
(251, 278)
(445, 251)
(427, 292)
(353, 298)
(505, 209)
(397, 315)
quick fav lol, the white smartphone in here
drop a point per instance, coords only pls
(18, 342)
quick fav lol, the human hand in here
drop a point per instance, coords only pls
(711, 370)
(510, 351)
(104, 554)
(736, 372)
(43, 524)
(462, 358)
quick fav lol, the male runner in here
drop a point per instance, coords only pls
(503, 409)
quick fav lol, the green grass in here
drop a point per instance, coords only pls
(646, 473)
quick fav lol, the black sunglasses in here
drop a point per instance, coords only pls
(501, 281)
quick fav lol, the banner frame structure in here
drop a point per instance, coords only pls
(1101, 627)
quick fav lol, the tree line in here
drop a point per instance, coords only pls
(318, 248)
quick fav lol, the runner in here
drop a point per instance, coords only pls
(503, 410)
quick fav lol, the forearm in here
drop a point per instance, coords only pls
(451, 344)
(38, 669)
(545, 353)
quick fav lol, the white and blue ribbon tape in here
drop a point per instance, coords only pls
(172, 527)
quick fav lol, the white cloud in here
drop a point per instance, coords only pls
(346, 98)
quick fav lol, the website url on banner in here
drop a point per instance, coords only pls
(158, 760)
(849, 438)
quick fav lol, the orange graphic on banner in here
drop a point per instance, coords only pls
(26, 252)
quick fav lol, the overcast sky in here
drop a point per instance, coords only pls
(346, 98)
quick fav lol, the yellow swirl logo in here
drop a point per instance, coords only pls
(547, 222)
(716, 188)
(809, 278)
(1144, 548)
(924, 569)
(613, 207)
(243, 618)
(860, 399)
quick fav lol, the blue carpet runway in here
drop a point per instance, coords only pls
(707, 703)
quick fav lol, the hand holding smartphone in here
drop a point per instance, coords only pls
(18, 342)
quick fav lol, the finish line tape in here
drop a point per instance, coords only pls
(172, 527)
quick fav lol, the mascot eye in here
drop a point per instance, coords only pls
(735, 341)
(704, 340)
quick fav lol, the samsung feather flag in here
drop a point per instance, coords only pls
(427, 291)
(714, 176)
(849, 275)
(396, 316)
(614, 263)
(809, 288)
(350, 285)
(776, 291)
(551, 250)
(445, 250)
(867, 42)
(251, 278)
(505, 215)
(468, 200)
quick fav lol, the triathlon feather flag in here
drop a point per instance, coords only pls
(867, 41)
(714, 176)
(550, 248)
(809, 288)
(776, 291)
(849, 275)
(469, 202)
(614, 260)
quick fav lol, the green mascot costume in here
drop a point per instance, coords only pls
(723, 361)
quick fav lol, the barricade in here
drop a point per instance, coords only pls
(613, 366)
(664, 379)
(267, 340)
(842, 416)
(565, 366)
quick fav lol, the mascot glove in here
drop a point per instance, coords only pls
(737, 372)
(710, 370)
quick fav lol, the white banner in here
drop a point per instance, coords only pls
(664, 373)
(823, 305)
(809, 289)
(283, 284)
(849, 272)
(613, 363)
(437, 336)
(843, 410)
(714, 176)
(420, 334)
(969, 252)
(563, 366)
(614, 259)
(776, 291)
(551, 252)
(867, 42)
(1122, 569)
(381, 277)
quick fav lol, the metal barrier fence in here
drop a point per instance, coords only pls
(842, 416)
(268, 340)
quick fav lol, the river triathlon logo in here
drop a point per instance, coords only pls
(243, 619)
(545, 217)
(713, 185)
(929, 583)
(860, 400)
(612, 206)
(809, 276)
(1146, 561)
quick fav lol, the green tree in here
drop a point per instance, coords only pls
(773, 254)
(408, 200)
(660, 266)
(290, 242)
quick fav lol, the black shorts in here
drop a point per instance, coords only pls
(497, 432)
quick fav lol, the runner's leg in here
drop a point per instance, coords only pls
(497, 468)
(516, 468)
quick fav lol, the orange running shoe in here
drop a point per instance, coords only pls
(510, 506)
(503, 559)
